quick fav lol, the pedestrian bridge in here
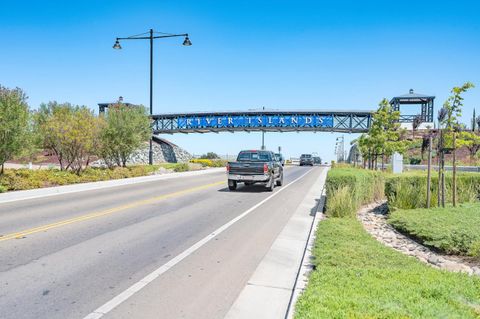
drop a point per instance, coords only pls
(263, 120)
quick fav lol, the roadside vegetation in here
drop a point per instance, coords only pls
(357, 277)
(451, 230)
(209, 162)
(349, 188)
(76, 137)
(22, 179)
(385, 137)
(73, 133)
(409, 190)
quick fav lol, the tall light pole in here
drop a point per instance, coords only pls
(263, 135)
(341, 148)
(151, 35)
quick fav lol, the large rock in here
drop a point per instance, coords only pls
(163, 152)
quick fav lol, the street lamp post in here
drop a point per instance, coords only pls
(341, 148)
(151, 35)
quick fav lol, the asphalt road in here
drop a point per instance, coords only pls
(65, 256)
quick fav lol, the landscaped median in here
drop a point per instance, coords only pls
(23, 179)
(356, 276)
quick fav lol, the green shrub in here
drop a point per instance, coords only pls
(181, 167)
(209, 162)
(341, 203)
(349, 188)
(415, 160)
(3, 189)
(474, 250)
(409, 190)
(22, 179)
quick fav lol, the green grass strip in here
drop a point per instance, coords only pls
(358, 277)
(453, 230)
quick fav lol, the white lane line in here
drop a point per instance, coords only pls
(117, 300)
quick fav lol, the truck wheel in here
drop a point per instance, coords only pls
(272, 184)
(232, 185)
(280, 180)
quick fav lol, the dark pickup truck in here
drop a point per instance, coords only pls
(254, 167)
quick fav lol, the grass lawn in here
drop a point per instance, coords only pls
(453, 230)
(358, 277)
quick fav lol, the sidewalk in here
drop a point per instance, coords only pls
(272, 290)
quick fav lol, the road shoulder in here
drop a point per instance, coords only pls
(273, 286)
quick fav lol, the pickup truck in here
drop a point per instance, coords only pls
(256, 166)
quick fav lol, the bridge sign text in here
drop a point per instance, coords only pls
(193, 122)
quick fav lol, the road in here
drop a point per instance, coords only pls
(65, 256)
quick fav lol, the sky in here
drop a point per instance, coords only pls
(333, 55)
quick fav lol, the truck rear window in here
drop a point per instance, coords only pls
(254, 156)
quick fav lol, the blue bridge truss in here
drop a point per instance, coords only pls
(263, 120)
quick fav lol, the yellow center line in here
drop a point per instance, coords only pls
(109, 211)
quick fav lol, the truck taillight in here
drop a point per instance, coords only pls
(265, 168)
(228, 168)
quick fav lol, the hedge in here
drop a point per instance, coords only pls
(409, 190)
(349, 188)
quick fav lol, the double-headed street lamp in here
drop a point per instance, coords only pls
(151, 35)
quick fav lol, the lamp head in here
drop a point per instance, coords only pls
(117, 45)
(187, 41)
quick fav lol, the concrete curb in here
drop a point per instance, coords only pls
(59, 190)
(306, 266)
(272, 288)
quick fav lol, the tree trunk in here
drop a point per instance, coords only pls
(2, 170)
(454, 173)
(439, 186)
(443, 179)
(383, 161)
(429, 169)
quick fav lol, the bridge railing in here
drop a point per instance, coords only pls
(275, 121)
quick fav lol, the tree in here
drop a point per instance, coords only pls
(210, 155)
(453, 106)
(126, 128)
(14, 120)
(71, 132)
(471, 140)
(474, 121)
(385, 133)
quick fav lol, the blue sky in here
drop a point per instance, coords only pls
(245, 55)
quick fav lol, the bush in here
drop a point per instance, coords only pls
(349, 188)
(210, 155)
(181, 167)
(209, 162)
(3, 189)
(415, 160)
(409, 190)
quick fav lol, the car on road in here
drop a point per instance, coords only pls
(306, 159)
(255, 167)
(317, 160)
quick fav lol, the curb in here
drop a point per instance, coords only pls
(74, 188)
(306, 265)
(272, 289)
